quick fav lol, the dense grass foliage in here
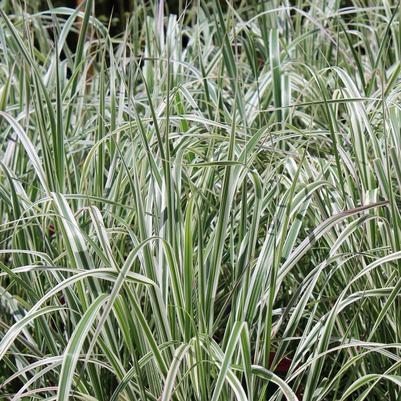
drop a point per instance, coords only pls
(205, 207)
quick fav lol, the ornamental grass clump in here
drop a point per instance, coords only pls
(204, 207)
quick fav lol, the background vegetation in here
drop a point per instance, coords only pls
(204, 206)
